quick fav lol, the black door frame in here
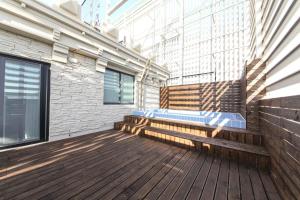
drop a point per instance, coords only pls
(44, 98)
(2, 75)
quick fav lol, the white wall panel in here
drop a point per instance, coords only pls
(278, 44)
(212, 35)
(151, 97)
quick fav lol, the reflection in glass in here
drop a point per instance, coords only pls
(118, 87)
(21, 102)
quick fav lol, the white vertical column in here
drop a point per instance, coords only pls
(181, 40)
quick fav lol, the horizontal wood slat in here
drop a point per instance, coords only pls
(233, 143)
(217, 96)
(214, 141)
(279, 122)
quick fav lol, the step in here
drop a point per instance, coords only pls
(129, 127)
(118, 125)
(229, 129)
(193, 128)
(250, 154)
(214, 141)
(135, 119)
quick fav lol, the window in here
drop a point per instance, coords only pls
(23, 100)
(118, 88)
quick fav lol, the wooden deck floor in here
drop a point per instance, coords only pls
(113, 165)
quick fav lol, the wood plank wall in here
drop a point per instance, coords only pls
(253, 89)
(164, 100)
(217, 96)
(280, 124)
(243, 94)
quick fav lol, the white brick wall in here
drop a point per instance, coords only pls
(77, 100)
(76, 95)
(24, 47)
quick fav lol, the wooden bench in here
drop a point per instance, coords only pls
(254, 155)
(193, 128)
(213, 141)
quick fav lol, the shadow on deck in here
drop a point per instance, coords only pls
(114, 165)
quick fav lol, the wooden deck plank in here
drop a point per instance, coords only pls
(163, 184)
(222, 185)
(143, 191)
(257, 185)
(32, 180)
(184, 189)
(211, 182)
(176, 182)
(44, 150)
(118, 189)
(133, 171)
(5, 181)
(197, 188)
(86, 177)
(93, 186)
(114, 165)
(60, 178)
(246, 187)
(70, 161)
(23, 158)
(234, 182)
(269, 186)
(133, 188)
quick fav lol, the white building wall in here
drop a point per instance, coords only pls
(76, 105)
(78, 56)
(276, 37)
(151, 96)
(19, 45)
(76, 95)
(199, 41)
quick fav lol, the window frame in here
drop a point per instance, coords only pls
(44, 97)
(120, 79)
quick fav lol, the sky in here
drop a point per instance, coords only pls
(93, 8)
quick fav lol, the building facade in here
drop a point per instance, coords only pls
(55, 76)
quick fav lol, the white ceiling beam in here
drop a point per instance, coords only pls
(116, 7)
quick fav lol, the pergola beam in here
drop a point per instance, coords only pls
(116, 7)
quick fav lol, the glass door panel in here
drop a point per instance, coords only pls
(21, 102)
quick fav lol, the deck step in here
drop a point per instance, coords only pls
(126, 127)
(251, 154)
(193, 128)
(214, 141)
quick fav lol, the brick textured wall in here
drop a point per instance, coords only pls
(77, 100)
(24, 47)
(76, 95)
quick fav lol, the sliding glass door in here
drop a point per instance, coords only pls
(23, 101)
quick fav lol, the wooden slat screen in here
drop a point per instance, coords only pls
(279, 122)
(218, 96)
(164, 101)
